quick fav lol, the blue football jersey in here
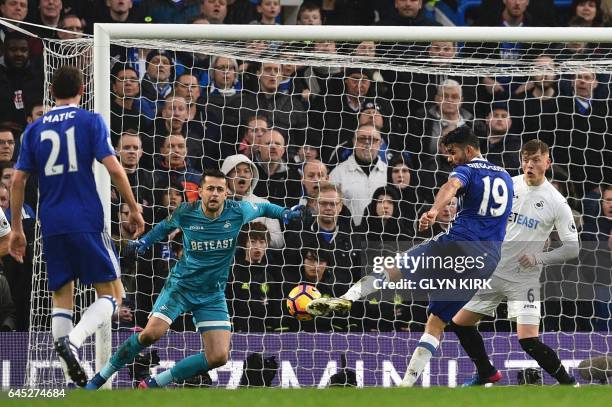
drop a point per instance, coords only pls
(485, 202)
(60, 148)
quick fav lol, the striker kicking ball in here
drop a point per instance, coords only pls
(299, 297)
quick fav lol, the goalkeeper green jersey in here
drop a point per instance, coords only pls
(208, 244)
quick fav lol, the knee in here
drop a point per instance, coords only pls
(217, 358)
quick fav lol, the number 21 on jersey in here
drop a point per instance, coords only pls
(52, 167)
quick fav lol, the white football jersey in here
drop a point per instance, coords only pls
(536, 211)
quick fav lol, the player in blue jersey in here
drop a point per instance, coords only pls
(210, 227)
(486, 192)
(59, 148)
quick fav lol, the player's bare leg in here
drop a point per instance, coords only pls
(425, 349)
(216, 352)
(464, 325)
(361, 289)
(528, 336)
(153, 331)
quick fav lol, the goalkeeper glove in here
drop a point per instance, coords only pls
(295, 213)
(136, 247)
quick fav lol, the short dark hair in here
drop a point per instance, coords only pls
(462, 136)
(118, 67)
(534, 146)
(213, 173)
(67, 82)
(253, 231)
(14, 36)
(308, 6)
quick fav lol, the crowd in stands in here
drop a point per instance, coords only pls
(358, 148)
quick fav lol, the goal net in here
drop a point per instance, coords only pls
(365, 114)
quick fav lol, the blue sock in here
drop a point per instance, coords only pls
(124, 355)
(183, 370)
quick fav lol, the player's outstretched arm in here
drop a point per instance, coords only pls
(443, 197)
(17, 239)
(270, 210)
(120, 180)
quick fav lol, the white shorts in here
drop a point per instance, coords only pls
(523, 300)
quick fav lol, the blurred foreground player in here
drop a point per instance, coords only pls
(486, 195)
(60, 148)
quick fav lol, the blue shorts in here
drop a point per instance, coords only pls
(88, 257)
(209, 311)
(446, 302)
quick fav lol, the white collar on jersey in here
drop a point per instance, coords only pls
(479, 158)
(63, 106)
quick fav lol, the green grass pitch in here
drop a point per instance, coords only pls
(522, 396)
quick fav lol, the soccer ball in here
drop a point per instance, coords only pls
(299, 297)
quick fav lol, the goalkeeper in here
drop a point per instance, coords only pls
(210, 228)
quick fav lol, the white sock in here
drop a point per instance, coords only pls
(426, 347)
(365, 286)
(98, 313)
(61, 325)
(61, 322)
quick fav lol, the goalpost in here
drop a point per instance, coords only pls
(402, 61)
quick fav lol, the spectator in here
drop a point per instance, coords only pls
(6, 174)
(242, 177)
(36, 110)
(321, 81)
(7, 307)
(534, 103)
(7, 145)
(253, 290)
(337, 115)
(256, 127)
(49, 14)
(21, 78)
(447, 112)
(120, 11)
(214, 11)
(582, 125)
(285, 112)
(127, 261)
(268, 11)
(327, 232)
(309, 14)
(223, 86)
(129, 149)
(70, 22)
(404, 182)
(173, 166)
(408, 13)
(502, 147)
(362, 173)
(157, 82)
(314, 173)
(126, 106)
(5, 198)
(170, 12)
(277, 181)
(382, 221)
(589, 10)
(18, 10)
